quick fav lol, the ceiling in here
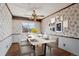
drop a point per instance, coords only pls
(26, 9)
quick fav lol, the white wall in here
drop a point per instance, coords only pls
(17, 27)
(45, 26)
(16, 38)
(5, 29)
(5, 45)
(71, 45)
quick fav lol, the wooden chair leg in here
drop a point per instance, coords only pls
(29, 54)
(50, 51)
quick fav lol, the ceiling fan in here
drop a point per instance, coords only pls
(34, 16)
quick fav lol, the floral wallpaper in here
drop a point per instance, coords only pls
(72, 15)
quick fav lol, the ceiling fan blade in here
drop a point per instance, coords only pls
(37, 15)
(40, 15)
(34, 16)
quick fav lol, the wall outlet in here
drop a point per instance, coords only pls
(7, 46)
(64, 44)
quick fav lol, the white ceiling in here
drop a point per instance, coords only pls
(26, 9)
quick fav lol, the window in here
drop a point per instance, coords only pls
(26, 27)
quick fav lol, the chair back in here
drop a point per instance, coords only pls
(55, 43)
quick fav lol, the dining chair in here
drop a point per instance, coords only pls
(25, 47)
(23, 39)
(39, 50)
(52, 44)
(26, 51)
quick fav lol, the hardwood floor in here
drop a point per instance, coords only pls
(15, 51)
(61, 52)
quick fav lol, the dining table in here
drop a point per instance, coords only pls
(35, 40)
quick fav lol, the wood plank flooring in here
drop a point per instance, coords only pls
(61, 52)
(15, 51)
